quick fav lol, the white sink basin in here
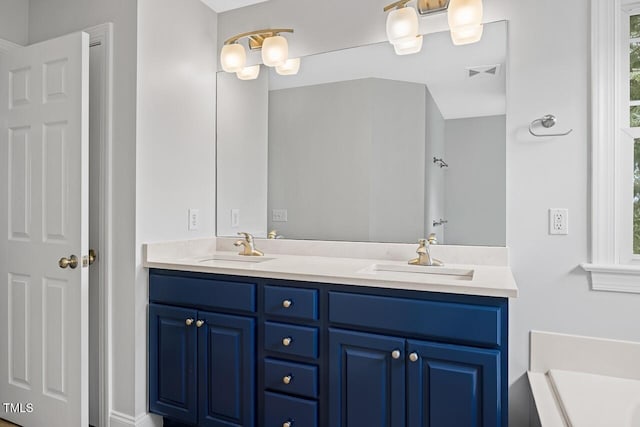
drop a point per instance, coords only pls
(442, 272)
(236, 258)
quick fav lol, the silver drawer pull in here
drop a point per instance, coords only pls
(395, 354)
(414, 357)
(286, 341)
(287, 303)
(287, 379)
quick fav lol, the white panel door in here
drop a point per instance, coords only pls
(44, 202)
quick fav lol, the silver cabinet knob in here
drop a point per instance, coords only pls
(395, 354)
(414, 357)
(287, 303)
(199, 323)
(189, 322)
(287, 424)
(287, 379)
(286, 341)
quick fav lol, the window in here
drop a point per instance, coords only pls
(615, 71)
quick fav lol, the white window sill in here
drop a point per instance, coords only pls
(614, 277)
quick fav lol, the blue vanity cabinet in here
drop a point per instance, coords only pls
(226, 348)
(233, 351)
(366, 380)
(202, 350)
(436, 360)
(172, 363)
(449, 385)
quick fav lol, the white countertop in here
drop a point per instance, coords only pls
(487, 280)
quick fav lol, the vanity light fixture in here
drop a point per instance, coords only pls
(464, 17)
(403, 27)
(275, 53)
(465, 21)
(249, 73)
(289, 68)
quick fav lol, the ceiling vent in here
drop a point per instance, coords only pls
(484, 70)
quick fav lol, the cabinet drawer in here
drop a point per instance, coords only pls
(278, 409)
(289, 377)
(291, 339)
(291, 302)
(431, 319)
(201, 292)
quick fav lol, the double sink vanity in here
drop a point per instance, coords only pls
(327, 334)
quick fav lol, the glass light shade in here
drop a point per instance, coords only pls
(249, 73)
(233, 57)
(275, 51)
(402, 23)
(289, 68)
(466, 35)
(463, 13)
(408, 45)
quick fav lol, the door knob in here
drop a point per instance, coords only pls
(414, 357)
(92, 256)
(287, 379)
(287, 424)
(395, 354)
(199, 323)
(71, 262)
(286, 341)
(188, 322)
(287, 303)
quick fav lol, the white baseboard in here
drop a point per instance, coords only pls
(118, 419)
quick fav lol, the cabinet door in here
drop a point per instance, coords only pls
(172, 363)
(226, 365)
(367, 381)
(452, 386)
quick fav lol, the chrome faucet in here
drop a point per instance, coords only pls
(424, 256)
(248, 247)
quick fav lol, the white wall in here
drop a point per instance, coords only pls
(48, 19)
(14, 21)
(547, 73)
(242, 133)
(475, 181)
(175, 139)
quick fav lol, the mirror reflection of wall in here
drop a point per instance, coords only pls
(345, 149)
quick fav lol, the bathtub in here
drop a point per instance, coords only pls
(585, 382)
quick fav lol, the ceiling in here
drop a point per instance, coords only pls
(223, 5)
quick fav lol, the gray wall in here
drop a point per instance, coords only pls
(349, 165)
(14, 21)
(475, 204)
(434, 174)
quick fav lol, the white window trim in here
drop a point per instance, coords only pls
(612, 268)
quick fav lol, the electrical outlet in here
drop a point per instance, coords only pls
(279, 215)
(194, 219)
(558, 221)
(235, 218)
